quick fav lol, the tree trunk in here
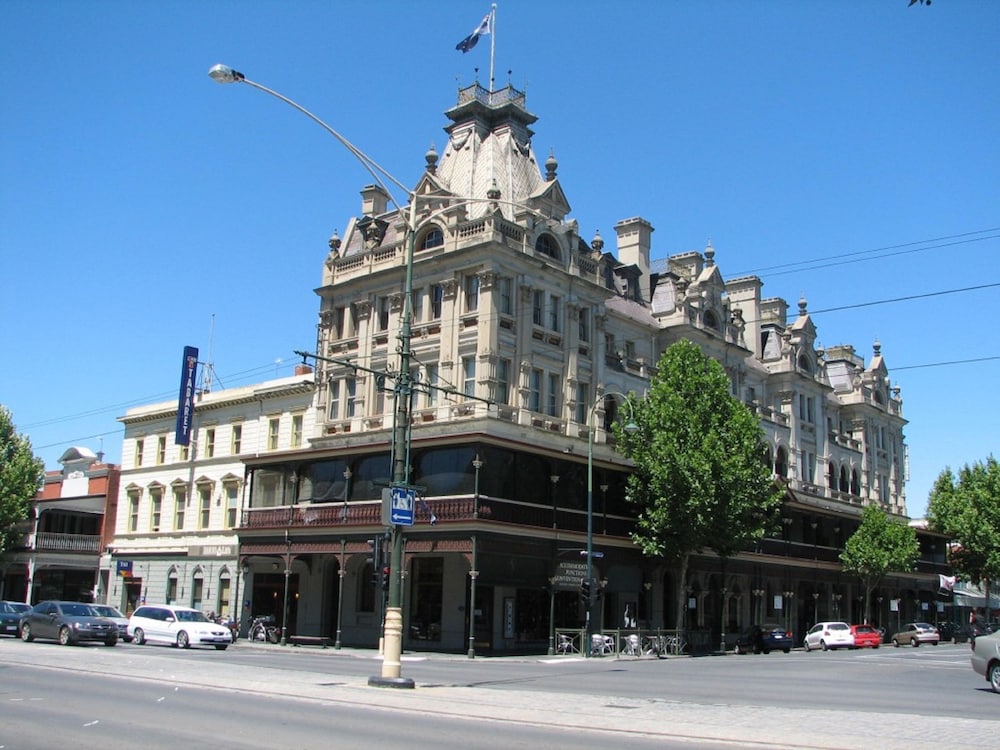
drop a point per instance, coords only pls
(681, 593)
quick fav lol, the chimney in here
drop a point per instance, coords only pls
(374, 200)
(633, 249)
(301, 369)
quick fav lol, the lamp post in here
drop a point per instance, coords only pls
(631, 427)
(341, 574)
(393, 628)
(477, 464)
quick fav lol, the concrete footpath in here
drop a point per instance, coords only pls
(743, 726)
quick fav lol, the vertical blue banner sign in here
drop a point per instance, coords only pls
(185, 399)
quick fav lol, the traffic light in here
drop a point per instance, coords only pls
(385, 579)
(585, 589)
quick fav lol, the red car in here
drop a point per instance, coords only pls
(866, 635)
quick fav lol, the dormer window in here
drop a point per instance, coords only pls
(433, 238)
(711, 320)
(547, 245)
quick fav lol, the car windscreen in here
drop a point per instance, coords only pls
(77, 610)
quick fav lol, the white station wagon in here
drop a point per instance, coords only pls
(182, 627)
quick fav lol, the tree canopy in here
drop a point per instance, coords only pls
(967, 510)
(880, 545)
(700, 479)
(21, 474)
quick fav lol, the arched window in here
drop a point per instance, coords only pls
(781, 463)
(831, 475)
(844, 484)
(434, 237)
(804, 364)
(855, 483)
(711, 320)
(172, 586)
(547, 245)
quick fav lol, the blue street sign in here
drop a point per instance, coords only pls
(401, 507)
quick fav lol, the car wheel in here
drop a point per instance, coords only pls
(994, 675)
(183, 640)
(914, 642)
(895, 643)
(787, 650)
(111, 642)
(934, 643)
(221, 647)
(822, 645)
(805, 645)
(765, 650)
(64, 638)
(737, 649)
(875, 646)
(138, 637)
(26, 635)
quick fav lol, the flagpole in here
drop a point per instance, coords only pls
(493, 40)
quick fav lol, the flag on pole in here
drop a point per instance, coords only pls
(946, 583)
(470, 41)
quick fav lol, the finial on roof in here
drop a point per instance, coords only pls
(334, 242)
(431, 157)
(877, 346)
(803, 304)
(494, 192)
(709, 253)
(598, 242)
(551, 165)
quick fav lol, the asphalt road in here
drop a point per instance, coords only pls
(267, 697)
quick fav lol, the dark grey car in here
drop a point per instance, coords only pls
(10, 617)
(67, 622)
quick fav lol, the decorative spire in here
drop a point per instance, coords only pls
(431, 157)
(803, 304)
(598, 242)
(709, 253)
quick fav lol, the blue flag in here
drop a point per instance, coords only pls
(470, 41)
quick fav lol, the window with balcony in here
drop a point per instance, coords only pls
(469, 376)
(535, 390)
(437, 301)
(554, 395)
(505, 295)
(502, 395)
(232, 491)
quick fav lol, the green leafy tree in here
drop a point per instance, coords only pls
(700, 479)
(21, 475)
(881, 545)
(967, 510)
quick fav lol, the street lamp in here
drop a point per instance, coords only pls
(393, 628)
(477, 464)
(631, 427)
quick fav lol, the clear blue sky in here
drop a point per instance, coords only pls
(845, 150)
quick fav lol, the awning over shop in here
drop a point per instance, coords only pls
(967, 595)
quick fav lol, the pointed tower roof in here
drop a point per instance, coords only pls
(489, 147)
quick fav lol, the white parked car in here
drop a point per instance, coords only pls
(827, 635)
(176, 626)
(986, 659)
